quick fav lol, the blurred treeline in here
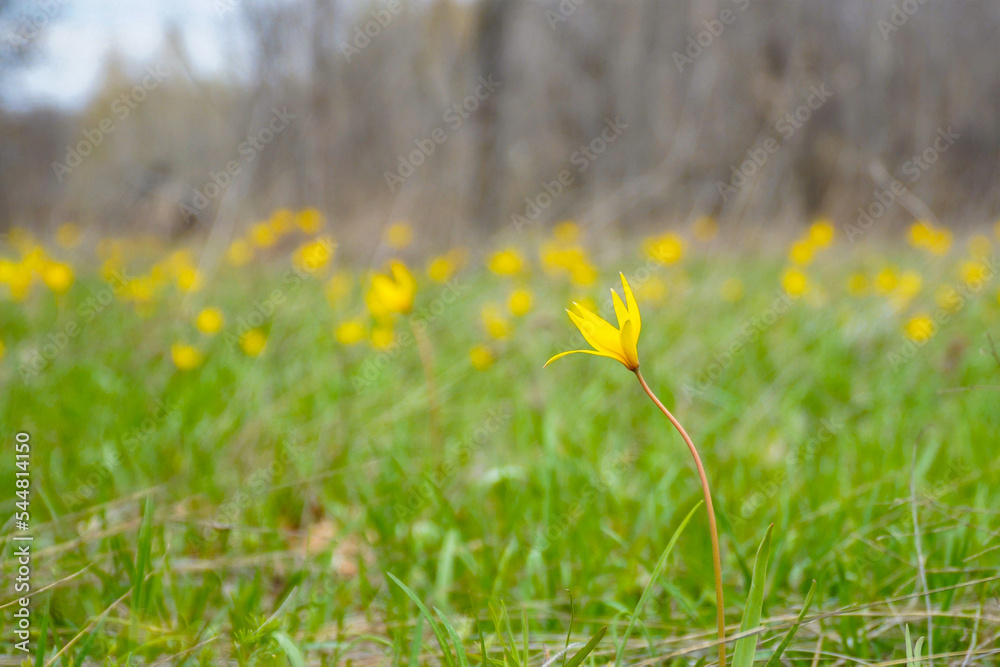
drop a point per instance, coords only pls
(563, 68)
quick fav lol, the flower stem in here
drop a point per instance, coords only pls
(717, 560)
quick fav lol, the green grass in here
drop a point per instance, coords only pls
(251, 510)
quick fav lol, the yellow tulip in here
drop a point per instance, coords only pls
(920, 328)
(821, 233)
(481, 357)
(392, 294)
(519, 302)
(185, 357)
(310, 220)
(240, 252)
(507, 262)
(619, 343)
(253, 342)
(350, 332)
(441, 269)
(794, 282)
(210, 321)
(58, 277)
(399, 235)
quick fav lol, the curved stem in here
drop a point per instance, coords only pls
(717, 560)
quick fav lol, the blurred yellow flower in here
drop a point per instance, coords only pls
(620, 344)
(705, 228)
(281, 222)
(666, 249)
(653, 289)
(857, 284)
(507, 262)
(519, 302)
(920, 234)
(310, 220)
(908, 286)
(920, 328)
(339, 286)
(240, 252)
(481, 357)
(382, 336)
(801, 253)
(583, 274)
(315, 254)
(393, 294)
(3, 349)
(940, 241)
(189, 279)
(496, 325)
(732, 290)
(794, 282)
(262, 236)
(972, 272)
(821, 233)
(58, 277)
(68, 235)
(980, 246)
(441, 269)
(566, 232)
(886, 280)
(20, 238)
(209, 321)
(399, 235)
(185, 357)
(947, 299)
(253, 342)
(351, 332)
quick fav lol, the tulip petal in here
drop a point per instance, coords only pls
(633, 307)
(602, 336)
(620, 311)
(629, 340)
(593, 352)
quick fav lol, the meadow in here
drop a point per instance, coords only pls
(235, 450)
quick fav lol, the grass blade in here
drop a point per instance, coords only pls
(442, 640)
(580, 655)
(289, 648)
(652, 580)
(463, 658)
(747, 646)
(775, 659)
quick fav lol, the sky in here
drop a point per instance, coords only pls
(77, 36)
